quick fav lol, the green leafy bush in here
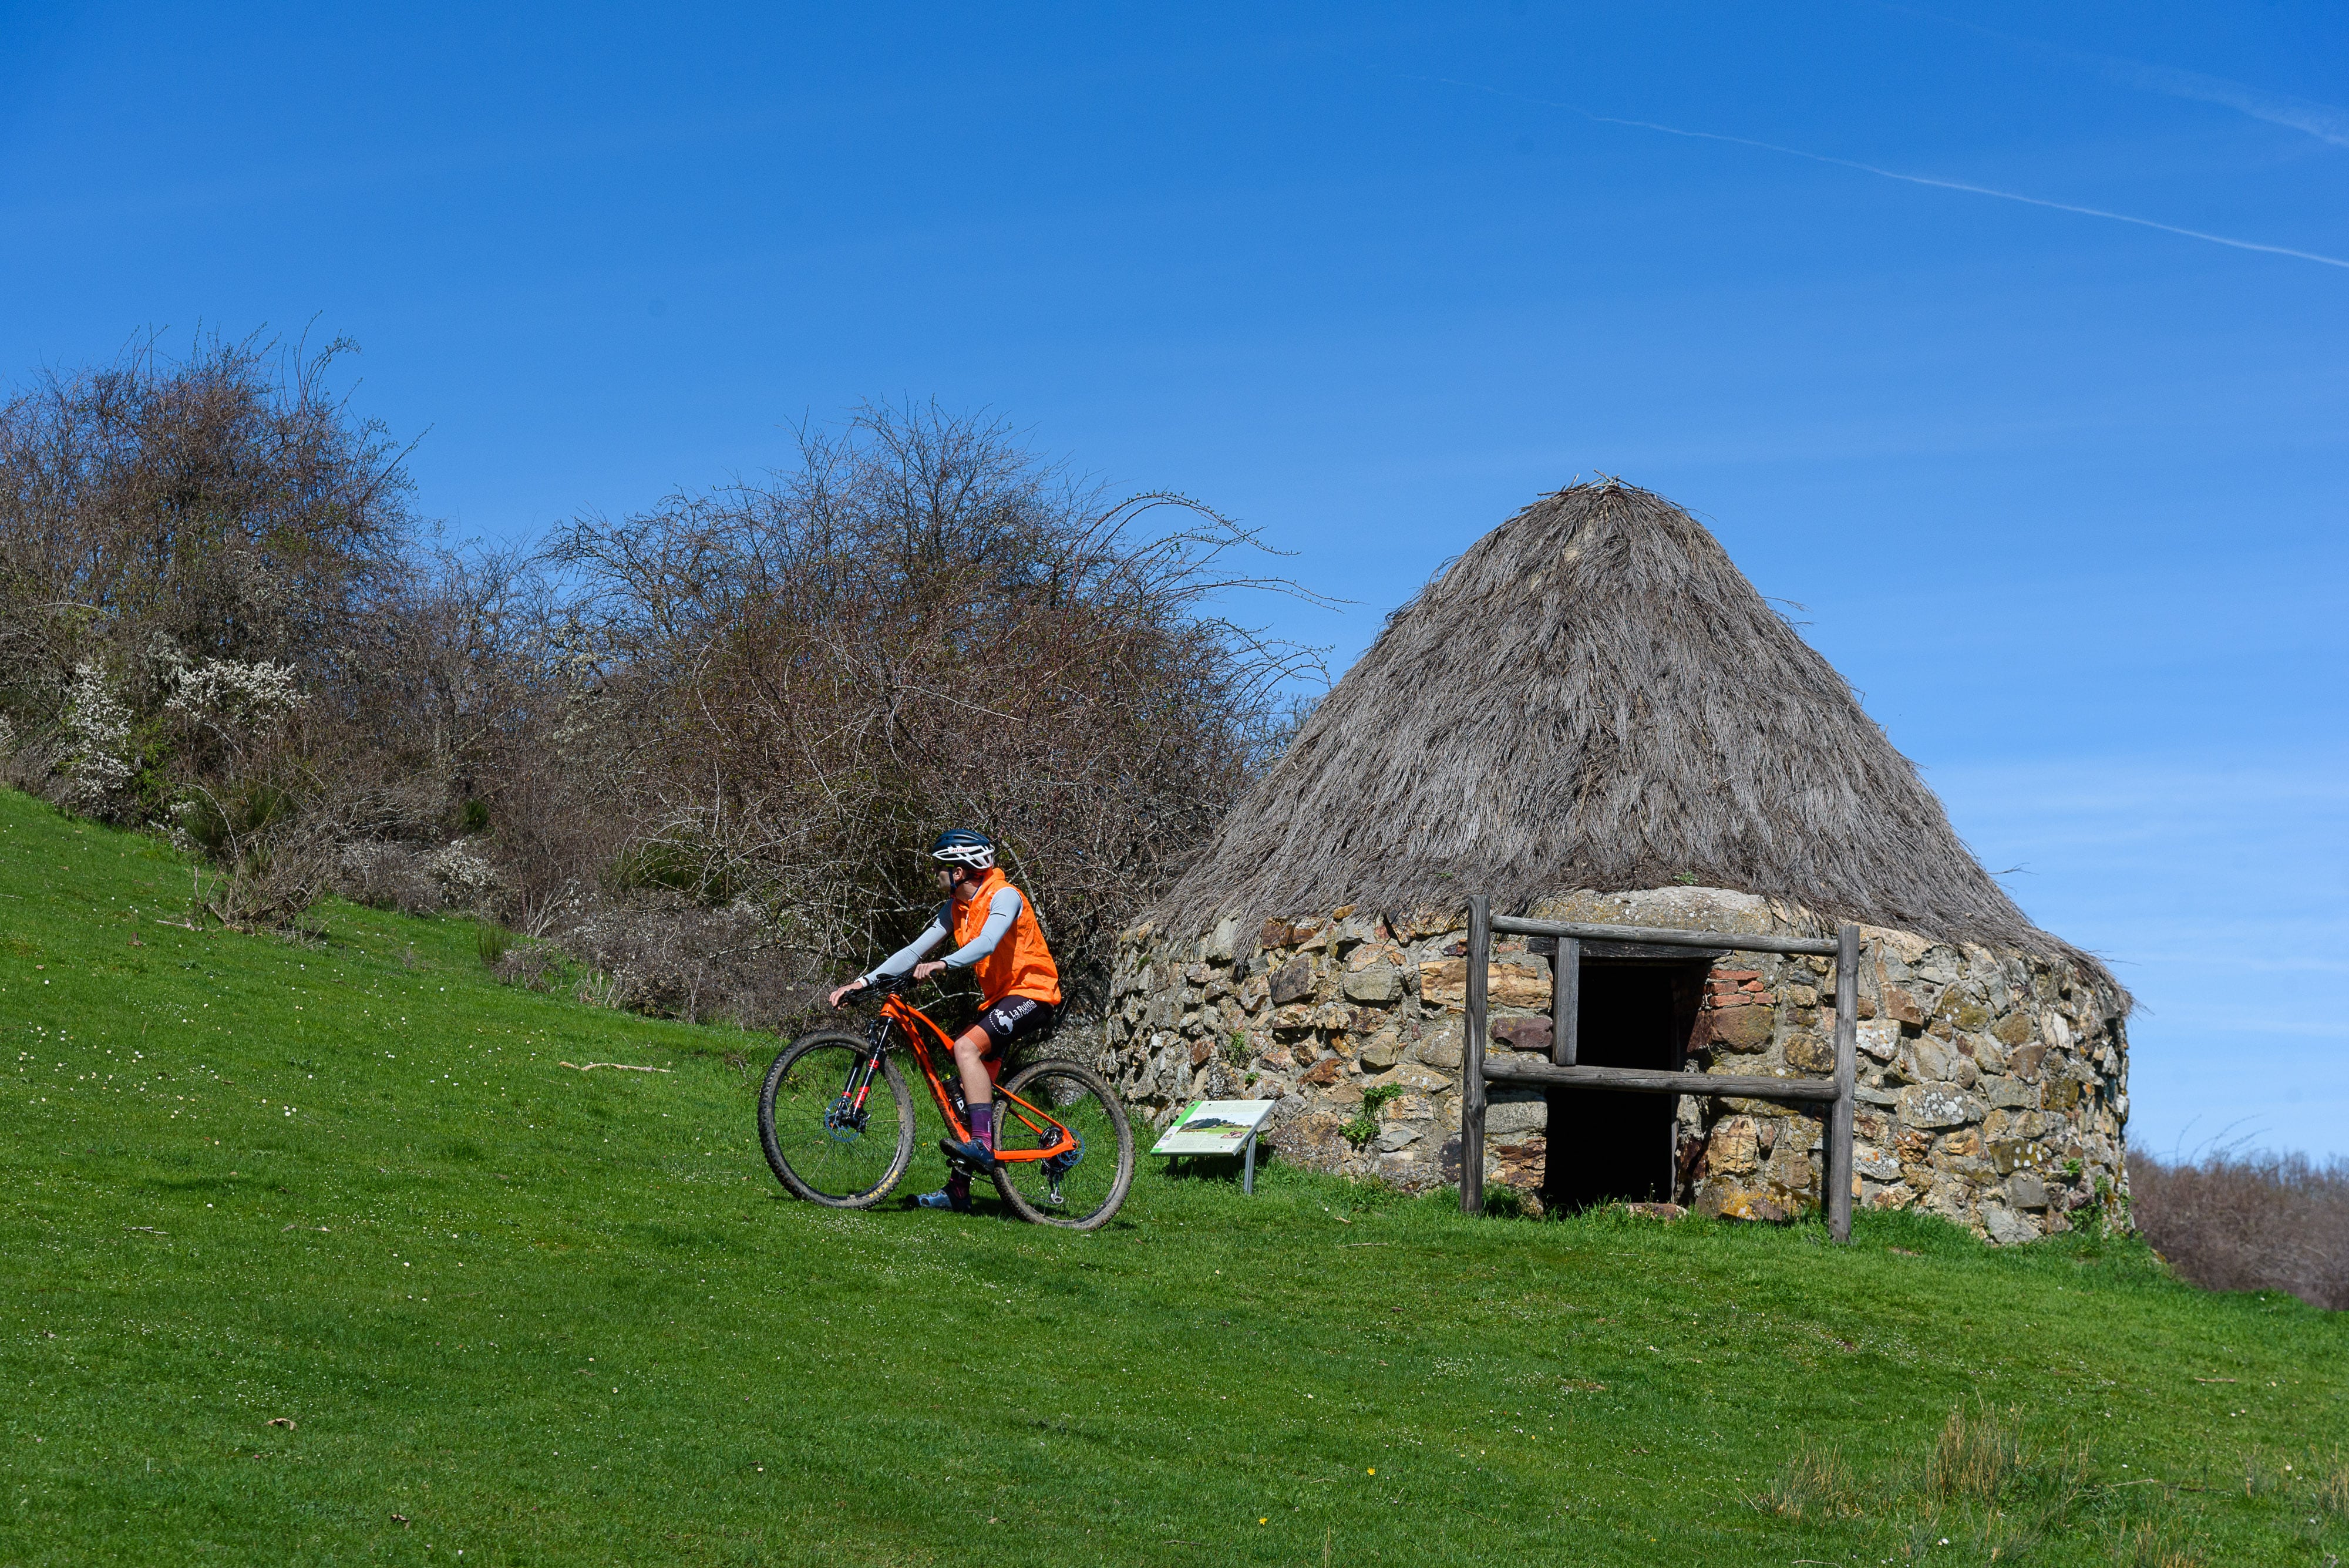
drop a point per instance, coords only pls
(1365, 1125)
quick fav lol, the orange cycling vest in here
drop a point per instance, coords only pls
(1020, 965)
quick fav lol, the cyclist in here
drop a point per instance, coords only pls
(995, 934)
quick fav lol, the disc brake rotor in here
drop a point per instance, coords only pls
(843, 1120)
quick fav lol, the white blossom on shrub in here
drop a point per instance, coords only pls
(229, 693)
(94, 759)
(465, 877)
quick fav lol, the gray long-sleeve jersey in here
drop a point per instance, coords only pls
(1001, 910)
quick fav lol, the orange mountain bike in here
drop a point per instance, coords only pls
(836, 1121)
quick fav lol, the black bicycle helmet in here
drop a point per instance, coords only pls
(963, 847)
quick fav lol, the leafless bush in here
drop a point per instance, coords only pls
(2233, 1221)
(387, 877)
(663, 953)
(21, 766)
(920, 626)
(530, 965)
(276, 888)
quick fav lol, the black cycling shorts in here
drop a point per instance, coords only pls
(1015, 1018)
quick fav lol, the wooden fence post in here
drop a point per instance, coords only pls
(1472, 1060)
(1839, 1174)
(1566, 1003)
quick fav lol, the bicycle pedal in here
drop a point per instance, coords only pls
(960, 1162)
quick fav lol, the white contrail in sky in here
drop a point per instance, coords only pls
(1911, 179)
(2320, 121)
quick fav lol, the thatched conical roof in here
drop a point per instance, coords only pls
(1594, 697)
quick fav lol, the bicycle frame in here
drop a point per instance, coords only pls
(913, 1022)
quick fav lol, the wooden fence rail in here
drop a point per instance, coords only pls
(1564, 1069)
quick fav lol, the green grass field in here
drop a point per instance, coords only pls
(317, 1255)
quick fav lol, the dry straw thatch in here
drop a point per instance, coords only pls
(1594, 697)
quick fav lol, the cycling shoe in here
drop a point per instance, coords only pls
(968, 1150)
(943, 1198)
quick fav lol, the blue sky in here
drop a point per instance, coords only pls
(2061, 494)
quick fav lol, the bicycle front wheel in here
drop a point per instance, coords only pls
(837, 1128)
(1078, 1189)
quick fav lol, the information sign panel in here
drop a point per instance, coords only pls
(1213, 1127)
(1218, 1126)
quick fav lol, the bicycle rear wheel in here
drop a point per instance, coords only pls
(835, 1131)
(1078, 1190)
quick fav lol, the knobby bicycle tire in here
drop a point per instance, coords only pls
(1080, 1098)
(821, 1151)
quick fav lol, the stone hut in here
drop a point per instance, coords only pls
(1592, 716)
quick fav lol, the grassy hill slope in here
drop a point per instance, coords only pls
(534, 1315)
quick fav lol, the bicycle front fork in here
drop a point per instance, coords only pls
(848, 1111)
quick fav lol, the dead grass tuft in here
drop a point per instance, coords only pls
(1985, 1480)
(1976, 1458)
(2333, 1485)
(2158, 1542)
(1818, 1483)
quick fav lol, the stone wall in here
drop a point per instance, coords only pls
(1992, 1083)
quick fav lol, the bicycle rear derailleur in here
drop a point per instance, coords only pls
(1060, 1165)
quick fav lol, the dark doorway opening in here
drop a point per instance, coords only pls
(1614, 1148)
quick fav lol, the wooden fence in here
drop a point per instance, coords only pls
(1563, 1071)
